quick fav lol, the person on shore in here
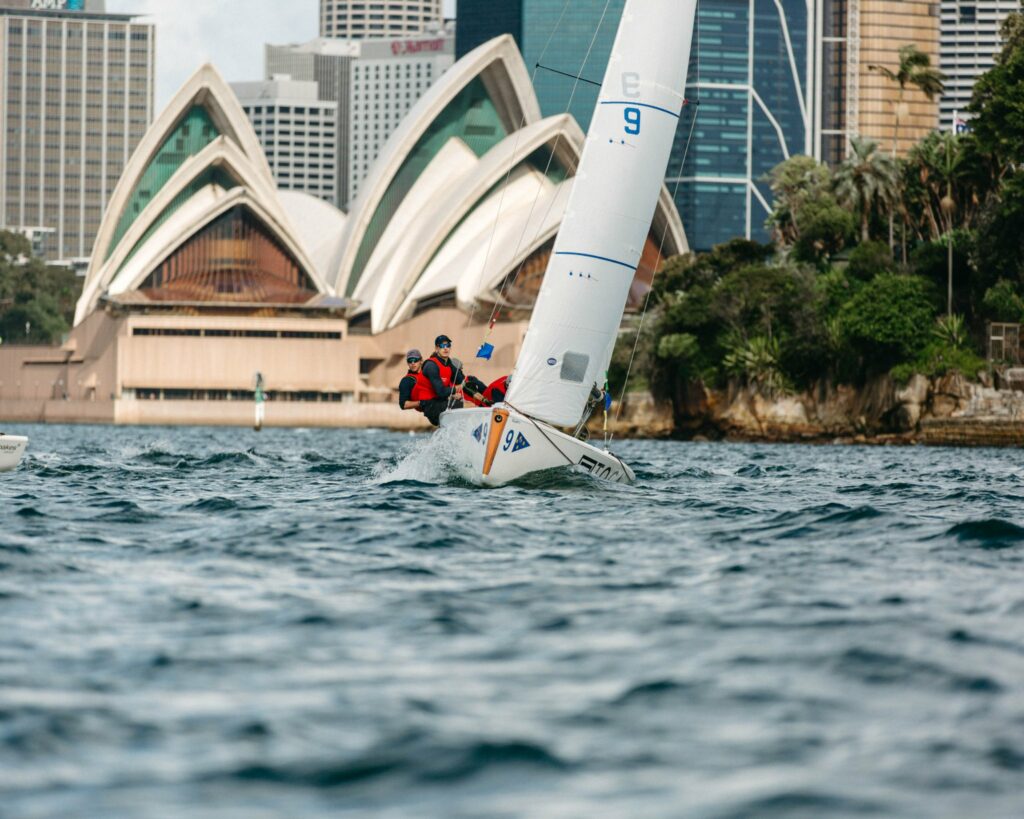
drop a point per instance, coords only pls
(414, 360)
(439, 383)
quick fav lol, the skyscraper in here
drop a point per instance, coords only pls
(885, 26)
(358, 19)
(751, 81)
(76, 96)
(751, 69)
(575, 39)
(373, 82)
(298, 132)
(970, 42)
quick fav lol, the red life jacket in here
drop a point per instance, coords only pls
(501, 385)
(424, 390)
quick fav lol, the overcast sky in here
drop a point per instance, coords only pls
(228, 33)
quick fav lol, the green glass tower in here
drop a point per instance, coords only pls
(752, 68)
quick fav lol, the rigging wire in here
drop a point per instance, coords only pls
(664, 234)
(504, 185)
(510, 282)
(512, 165)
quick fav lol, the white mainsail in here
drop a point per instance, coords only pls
(572, 333)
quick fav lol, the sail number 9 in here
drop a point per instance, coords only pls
(509, 438)
(632, 116)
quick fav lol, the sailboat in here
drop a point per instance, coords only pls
(572, 332)
(12, 447)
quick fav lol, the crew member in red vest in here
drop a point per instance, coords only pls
(495, 392)
(439, 382)
(482, 395)
(414, 358)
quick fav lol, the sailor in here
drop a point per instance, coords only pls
(439, 382)
(495, 392)
(414, 359)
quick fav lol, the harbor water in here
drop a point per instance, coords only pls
(219, 623)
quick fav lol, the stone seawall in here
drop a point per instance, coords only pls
(947, 411)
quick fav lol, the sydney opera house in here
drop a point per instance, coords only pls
(204, 273)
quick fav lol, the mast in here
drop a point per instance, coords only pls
(575, 321)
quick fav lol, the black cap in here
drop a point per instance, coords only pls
(441, 340)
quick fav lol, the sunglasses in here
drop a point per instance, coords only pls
(413, 360)
(444, 346)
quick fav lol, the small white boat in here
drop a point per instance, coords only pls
(495, 445)
(12, 447)
(568, 345)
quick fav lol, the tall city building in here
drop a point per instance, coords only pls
(373, 82)
(298, 132)
(751, 70)
(751, 82)
(567, 40)
(358, 19)
(76, 96)
(970, 41)
(885, 26)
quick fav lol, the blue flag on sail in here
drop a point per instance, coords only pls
(486, 351)
(607, 401)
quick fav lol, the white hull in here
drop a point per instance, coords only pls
(12, 447)
(493, 446)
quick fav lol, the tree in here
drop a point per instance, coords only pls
(888, 321)
(914, 69)
(998, 99)
(869, 259)
(795, 182)
(37, 302)
(865, 182)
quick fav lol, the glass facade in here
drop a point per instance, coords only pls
(195, 131)
(234, 259)
(749, 69)
(471, 117)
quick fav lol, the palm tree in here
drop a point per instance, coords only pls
(915, 69)
(865, 181)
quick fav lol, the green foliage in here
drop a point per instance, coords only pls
(950, 331)
(756, 361)
(866, 183)
(826, 229)
(998, 98)
(869, 259)
(1003, 302)
(33, 295)
(888, 320)
(1001, 231)
(938, 359)
(795, 183)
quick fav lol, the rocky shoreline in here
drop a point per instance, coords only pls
(946, 411)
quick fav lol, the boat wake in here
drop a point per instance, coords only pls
(428, 459)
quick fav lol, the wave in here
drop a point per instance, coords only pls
(988, 533)
(412, 757)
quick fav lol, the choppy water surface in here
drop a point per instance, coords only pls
(201, 622)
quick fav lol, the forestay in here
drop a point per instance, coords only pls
(569, 342)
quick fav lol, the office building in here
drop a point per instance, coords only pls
(969, 33)
(574, 40)
(885, 26)
(76, 96)
(750, 69)
(374, 83)
(359, 19)
(298, 132)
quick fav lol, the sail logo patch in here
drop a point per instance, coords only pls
(478, 433)
(521, 443)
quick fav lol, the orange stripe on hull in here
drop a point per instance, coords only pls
(499, 418)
